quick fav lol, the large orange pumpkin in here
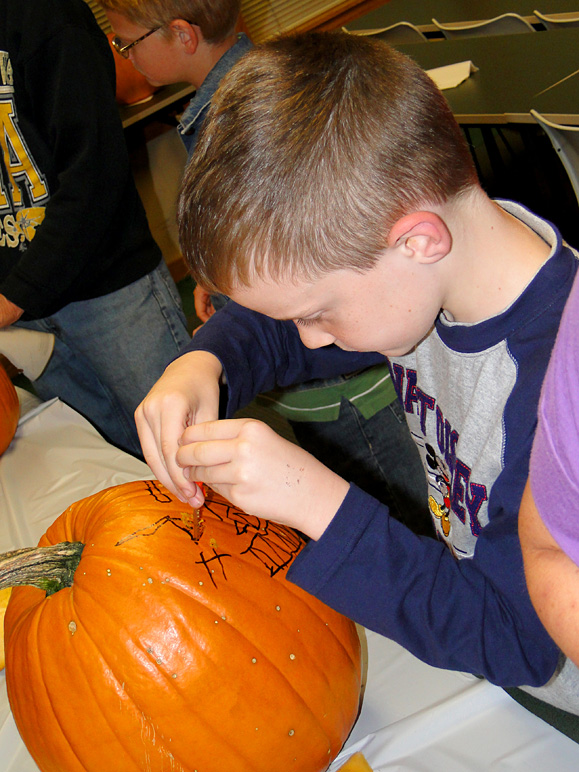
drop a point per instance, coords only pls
(132, 86)
(178, 646)
(9, 410)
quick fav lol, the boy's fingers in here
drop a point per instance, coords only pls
(227, 429)
(155, 460)
(206, 454)
(159, 449)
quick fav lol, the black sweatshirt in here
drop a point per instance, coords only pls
(72, 225)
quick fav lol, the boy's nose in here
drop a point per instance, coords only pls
(314, 338)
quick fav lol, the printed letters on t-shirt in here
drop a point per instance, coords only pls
(23, 190)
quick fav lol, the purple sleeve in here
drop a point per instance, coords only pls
(554, 471)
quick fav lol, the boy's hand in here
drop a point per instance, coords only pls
(187, 393)
(263, 474)
(203, 305)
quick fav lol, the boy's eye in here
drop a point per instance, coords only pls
(306, 322)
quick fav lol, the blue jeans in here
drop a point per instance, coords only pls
(110, 350)
(377, 454)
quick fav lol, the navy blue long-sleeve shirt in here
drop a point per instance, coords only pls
(470, 392)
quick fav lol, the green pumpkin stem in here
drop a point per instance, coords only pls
(49, 568)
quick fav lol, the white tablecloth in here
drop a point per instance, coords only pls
(414, 717)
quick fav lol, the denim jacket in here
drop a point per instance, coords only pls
(194, 115)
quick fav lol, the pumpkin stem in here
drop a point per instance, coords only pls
(49, 568)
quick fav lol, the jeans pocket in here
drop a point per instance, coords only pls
(397, 411)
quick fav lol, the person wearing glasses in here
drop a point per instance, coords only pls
(77, 258)
(167, 48)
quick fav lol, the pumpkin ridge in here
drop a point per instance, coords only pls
(73, 613)
(278, 672)
(138, 709)
(206, 603)
(340, 645)
(237, 628)
(209, 604)
(31, 630)
(299, 595)
(214, 728)
(306, 610)
(161, 675)
(105, 664)
(41, 611)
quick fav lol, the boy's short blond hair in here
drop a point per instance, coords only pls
(216, 18)
(315, 145)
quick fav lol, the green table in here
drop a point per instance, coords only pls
(560, 103)
(420, 12)
(513, 71)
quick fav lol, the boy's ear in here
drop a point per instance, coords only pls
(422, 235)
(186, 33)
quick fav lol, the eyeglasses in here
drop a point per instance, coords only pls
(124, 50)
